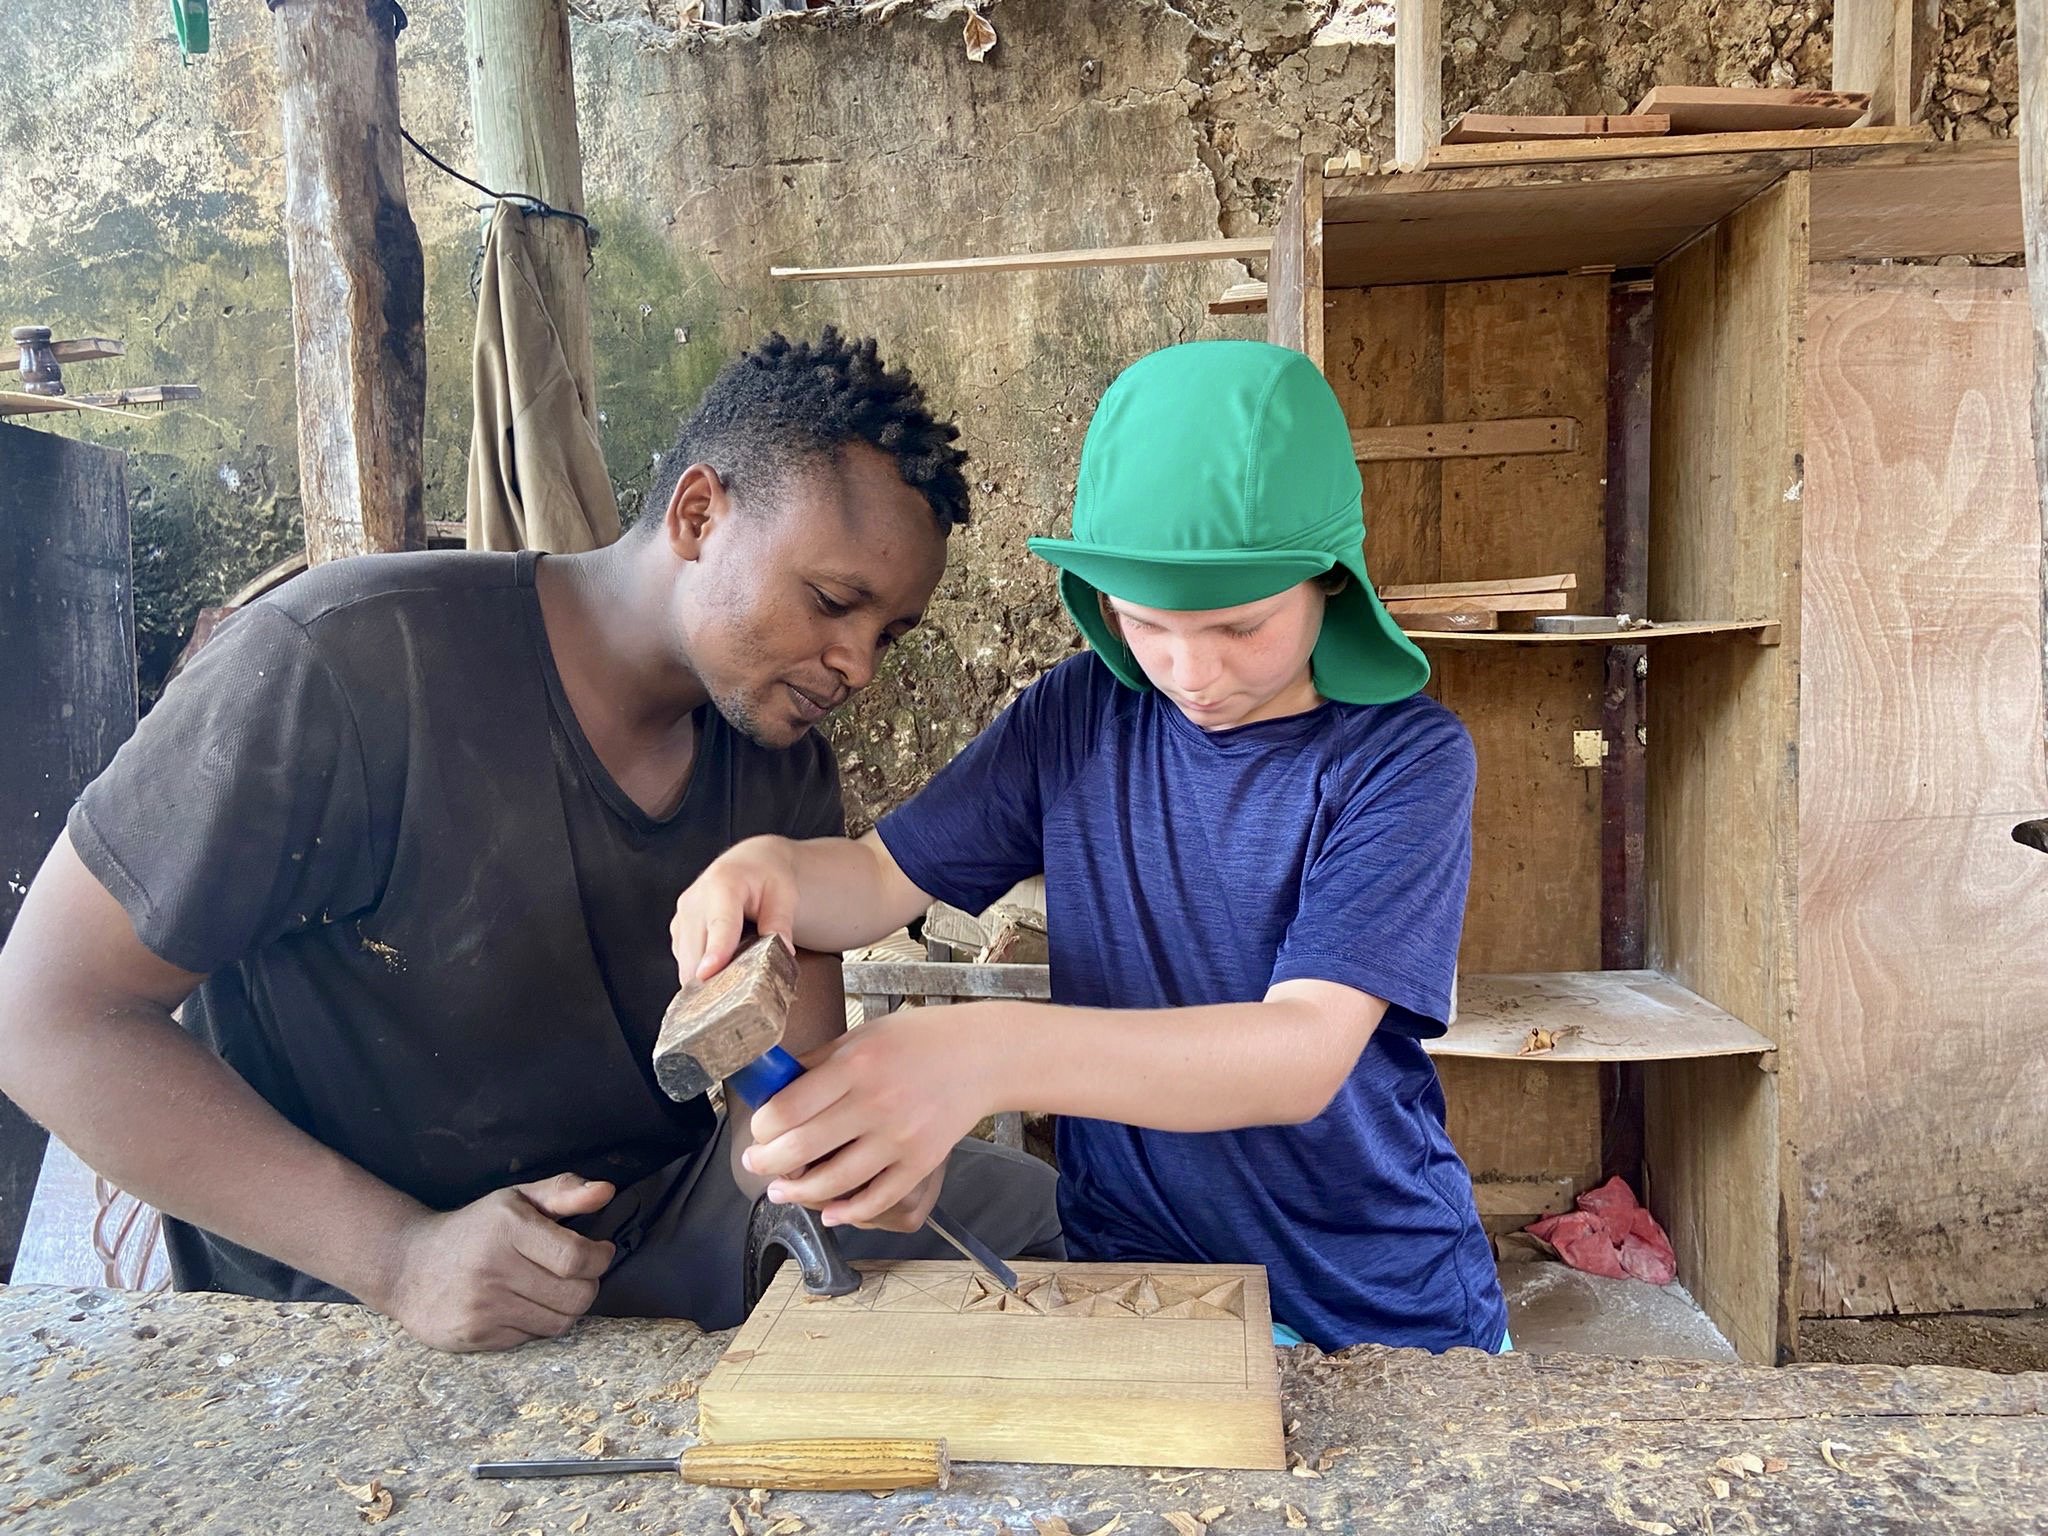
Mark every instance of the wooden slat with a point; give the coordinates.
(1468, 439)
(1040, 261)
(21, 403)
(926, 978)
(78, 349)
(1765, 632)
(1595, 1015)
(1240, 299)
(1294, 276)
(1725, 476)
(1498, 602)
(1418, 80)
(1672, 146)
(1923, 1084)
(1565, 581)
(1749, 109)
(1500, 128)
(1447, 613)
(1092, 1365)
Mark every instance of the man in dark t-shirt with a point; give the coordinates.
(405, 843)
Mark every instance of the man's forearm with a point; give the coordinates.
(1212, 1068)
(150, 1108)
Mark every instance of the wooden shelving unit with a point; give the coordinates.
(1642, 906)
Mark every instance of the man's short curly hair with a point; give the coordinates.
(786, 402)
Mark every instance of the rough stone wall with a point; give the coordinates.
(141, 199)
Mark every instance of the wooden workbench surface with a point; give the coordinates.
(121, 1413)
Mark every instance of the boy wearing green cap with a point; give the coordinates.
(1256, 837)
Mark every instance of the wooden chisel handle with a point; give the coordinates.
(822, 1465)
(853, 1466)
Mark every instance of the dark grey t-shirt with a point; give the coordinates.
(434, 930)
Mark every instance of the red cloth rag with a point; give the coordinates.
(1610, 1234)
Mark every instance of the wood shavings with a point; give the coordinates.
(1617, 1506)
(757, 1500)
(1329, 1457)
(1539, 1042)
(1296, 1520)
(981, 37)
(579, 1522)
(594, 1446)
(1718, 1486)
(1827, 1454)
(374, 1502)
(1298, 1465)
(1183, 1523)
(1051, 1525)
(503, 1517)
(1292, 1426)
(1213, 1513)
(737, 1521)
(1773, 1464)
(788, 1525)
(1560, 1484)
(680, 1392)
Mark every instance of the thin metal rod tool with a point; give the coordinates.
(973, 1248)
(576, 1466)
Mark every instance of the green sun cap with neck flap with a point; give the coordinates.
(1217, 473)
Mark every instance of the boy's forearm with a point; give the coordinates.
(1219, 1067)
(850, 893)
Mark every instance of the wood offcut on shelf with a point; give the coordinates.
(1764, 631)
(1692, 109)
(1501, 128)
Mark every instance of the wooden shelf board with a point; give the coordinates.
(1553, 1310)
(1765, 631)
(1675, 145)
(1510, 221)
(1615, 1016)
(1871, 200)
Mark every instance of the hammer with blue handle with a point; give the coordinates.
(730, 1028)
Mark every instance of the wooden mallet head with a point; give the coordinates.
(713, 1028)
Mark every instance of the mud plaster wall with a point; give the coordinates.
(141, 198)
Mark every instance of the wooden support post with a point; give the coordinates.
(1886, 47)
(358, 286)
(2033, 132)
(522, 92)
(1631, 321)
(1418, 81)
(1294, 276)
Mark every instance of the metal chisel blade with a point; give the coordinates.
(972, 1247)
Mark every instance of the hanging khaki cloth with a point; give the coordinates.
(536, 472)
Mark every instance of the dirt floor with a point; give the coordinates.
(2012, 1341)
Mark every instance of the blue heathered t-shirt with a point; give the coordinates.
(1185, 867)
